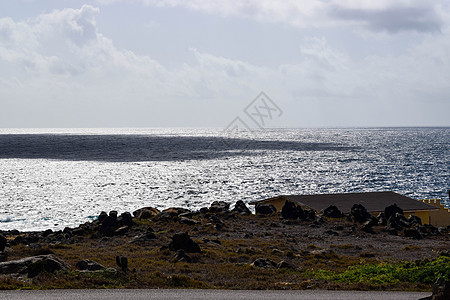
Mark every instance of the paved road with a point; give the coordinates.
(205, 294)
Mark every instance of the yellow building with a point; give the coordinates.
(374, 202)
(439, 217)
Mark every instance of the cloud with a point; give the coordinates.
(381, 15)
(423, 18)
(58, 69)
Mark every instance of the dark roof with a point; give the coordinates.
(372, 201)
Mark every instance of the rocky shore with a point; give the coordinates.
(231, 248)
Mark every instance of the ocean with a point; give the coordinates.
(53, 178)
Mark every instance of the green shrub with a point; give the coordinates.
(423, 271)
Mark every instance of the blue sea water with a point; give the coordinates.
(52, 178)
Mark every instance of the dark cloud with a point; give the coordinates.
(393, 19)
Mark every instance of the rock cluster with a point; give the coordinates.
(32, 266)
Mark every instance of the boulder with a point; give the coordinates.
(289, 211)
(264, 263)
(241, 208)
(360, 214)
(203, 210)
(122, 262)
(309, 214)
(188, 221)
(171, 213)
(414, 220)
(182, 256)
(3, 256)
(3, 242)
(79, 231)
(401, 220)
(145, 212)
(391, 210)
(34, 265)
(382, 219)
(125, 219)
(367, 226)
(183, 241)
(441, 290)
(431, 229)
(413, 233)
(108, 226)
(284, 265)
(219, 207)
(89, 265)
(392, 223)
(332, 212)
(265, 209)
(47, 232)
(102, 216)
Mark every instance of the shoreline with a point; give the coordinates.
(178, 248)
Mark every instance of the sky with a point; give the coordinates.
(203, 63)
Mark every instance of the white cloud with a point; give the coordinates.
(382, 15)
(59, 65)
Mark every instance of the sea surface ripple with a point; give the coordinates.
(53, 178)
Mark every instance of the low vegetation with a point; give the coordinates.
(244, 252)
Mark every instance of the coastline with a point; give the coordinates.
(227, 249)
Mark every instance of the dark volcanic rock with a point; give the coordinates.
(3, 242)
(264, 263)
(219, 206)
(125, 219)
(34, 265)
(183, 241)
(145, 212)
(188, 221)
(47, 232)
(122, 262)
(441, 289)
(113, 214)
(414, 220)
(171, 213)
(89, 265)
(264, 209)
(289, 211)
(413, 233)
(332, 212)
(182, 256)
(26, 239)
(3, 256)
(79, 231)
(360, 214)
(391, 210)
(367, 226)
(108, 226)
(382, 219)
(241, 208)
(284, 265)
(400, 220)
(310, 214)
(102, 216)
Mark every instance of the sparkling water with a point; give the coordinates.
(52, 178)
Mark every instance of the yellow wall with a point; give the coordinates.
(423, 215)
(439, 217)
